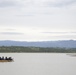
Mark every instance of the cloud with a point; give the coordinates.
(11, 33)
(9, 3)
(35, 3)
(66, 37)
(10, 29)
(44, 15)
(59, 3)
(25, 15)
(59, 32)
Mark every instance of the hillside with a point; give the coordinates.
(64, 43)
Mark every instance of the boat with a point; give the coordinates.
(6, 59)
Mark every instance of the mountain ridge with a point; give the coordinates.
(59, 43)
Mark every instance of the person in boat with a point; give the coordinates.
(10, 58)
(6, 58)
(0, 58)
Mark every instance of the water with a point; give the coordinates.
(38, 64)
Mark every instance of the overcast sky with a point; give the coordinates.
(37, 20)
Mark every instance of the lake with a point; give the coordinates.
(39, 64)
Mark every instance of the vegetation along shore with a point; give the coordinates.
(19, 49)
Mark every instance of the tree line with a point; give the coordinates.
(4, 49)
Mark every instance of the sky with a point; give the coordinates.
(37, 20)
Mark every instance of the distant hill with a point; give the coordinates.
(63, 43)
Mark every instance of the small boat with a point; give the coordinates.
(9, 59)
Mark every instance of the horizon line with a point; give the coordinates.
(39, 41)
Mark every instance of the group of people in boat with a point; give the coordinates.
(5, 58)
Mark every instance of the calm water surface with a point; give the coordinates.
(39, 64)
